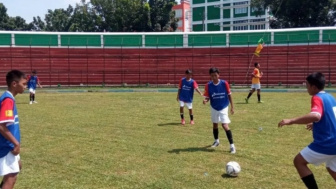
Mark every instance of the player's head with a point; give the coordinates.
(317, 80)
(16, 80)
(256, 65)
(188, 73)
(214, 73)
(34, 72)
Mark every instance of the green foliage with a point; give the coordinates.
(135, 140)
(293, 13)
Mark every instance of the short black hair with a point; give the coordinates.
(256, 64)
(213, 70)
(34, 71)
(188, 71)
(14, 75)
(316, 79)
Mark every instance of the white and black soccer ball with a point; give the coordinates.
(233, 168)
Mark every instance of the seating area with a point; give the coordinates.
(281, 65)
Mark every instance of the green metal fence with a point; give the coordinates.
(164, 40)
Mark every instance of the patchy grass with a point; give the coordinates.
(135, 140)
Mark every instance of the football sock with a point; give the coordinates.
(259, 97)
(33, 97)
(249, 95)
(182, 116)
(191, 117)
(215, 133)
(30, 98)
(310, 181)
(229, 136)
(1, 184)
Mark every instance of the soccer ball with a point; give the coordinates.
(232, 168)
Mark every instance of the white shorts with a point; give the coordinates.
(189, 105)
(255, 86)
(9, 164)
(220, 116)
(31, 90)
(316, 158)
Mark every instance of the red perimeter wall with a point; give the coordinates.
(288, 65)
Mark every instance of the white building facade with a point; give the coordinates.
(226, 15)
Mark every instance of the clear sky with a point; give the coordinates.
(27, 9)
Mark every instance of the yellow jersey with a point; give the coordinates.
(256, 80)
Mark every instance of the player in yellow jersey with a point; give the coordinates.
(256, 75)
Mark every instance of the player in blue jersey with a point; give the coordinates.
(219, 93)
(185, 95)
(10, 163)
(33, 80)
(322, 121)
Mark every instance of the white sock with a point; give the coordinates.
(217, 140)
(232, 145)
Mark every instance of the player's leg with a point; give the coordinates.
(215, 119)
(189, 105)
(258, 92)
(301, 165)
(224, 118)
(215, 134)
(182, 112)
(331, 167)
(9, 180)
(31, 95)
(10, 167)
(332, 173)
(250, 94)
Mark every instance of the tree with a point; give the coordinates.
(160, 13)
(294, 13)
(59, 19)
(3, 17)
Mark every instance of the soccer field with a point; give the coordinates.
(135, 140)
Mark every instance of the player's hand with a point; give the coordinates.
(309, 126)
(177, 98)
(232, 111)
(16, 150)
(284, 122)
(205, 101)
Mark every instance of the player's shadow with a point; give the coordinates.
(193, 149)
(168, 124)
(241, 103)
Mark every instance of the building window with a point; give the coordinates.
(179, 23)
(257, 26)
(178, 13)
(240, 25)
(241, 7)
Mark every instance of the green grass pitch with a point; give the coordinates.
(135, 140)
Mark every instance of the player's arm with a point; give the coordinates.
(206, 94)
(227, 86)
(179, 91)
(38, 83)
(314, 115)
(7, 116)
(197, 89)
(306, 119)
(8, 135)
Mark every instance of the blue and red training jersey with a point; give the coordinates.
(187, 88)
(218, 94)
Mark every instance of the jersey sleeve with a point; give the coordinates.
(227, 86)
(180, 84)
(195, 85)
(206, 90)
(316, 105)
(255, 72)
(6, 111)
